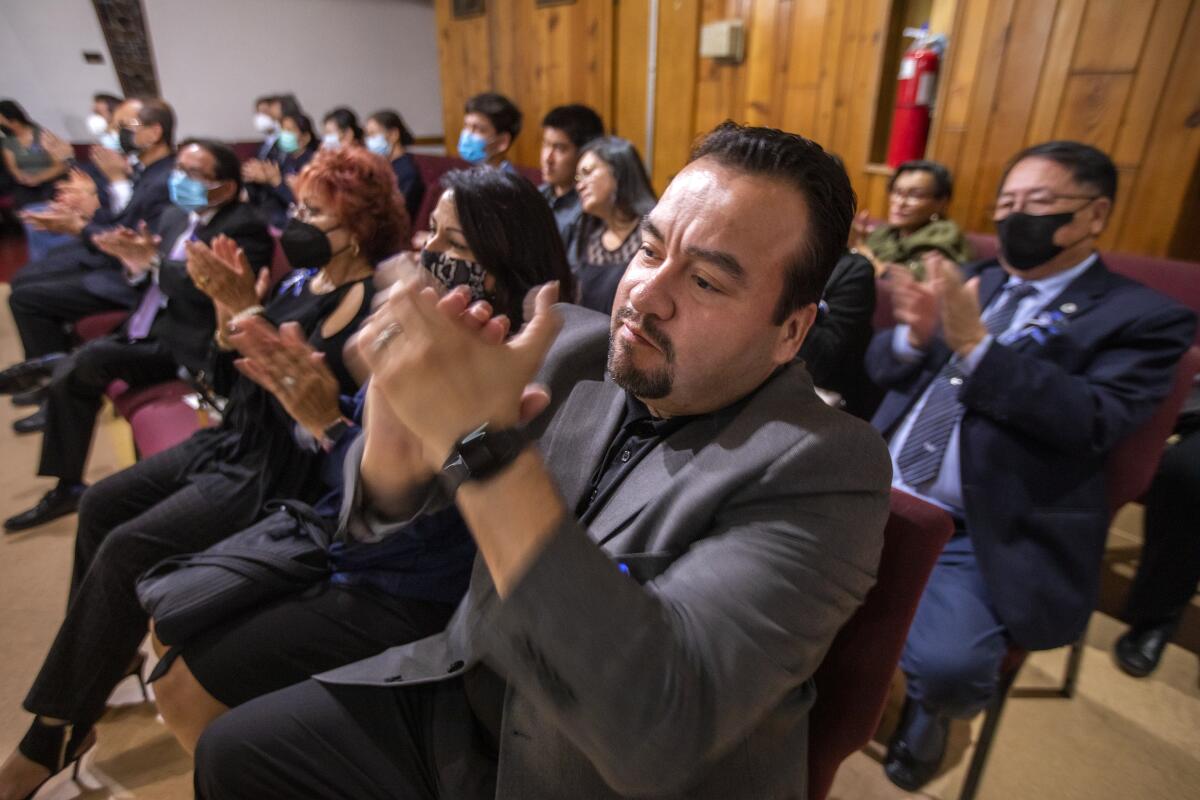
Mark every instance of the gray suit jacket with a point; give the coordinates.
(689, 672)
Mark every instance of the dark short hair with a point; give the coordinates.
(227, 167)
(943, 183)
(264, 100)
(635, 195)
(390, 120)
(1088, 165)
(156, 111)
(511, 230)
(345, 119)
(304, 124)
(579, 122)
(11, 110)
(110, 101)
(817, 176)
(500, 111)
(288, 104)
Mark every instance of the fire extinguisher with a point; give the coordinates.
(915, 90)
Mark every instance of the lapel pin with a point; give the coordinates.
(1068, 308)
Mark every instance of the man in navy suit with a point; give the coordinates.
(1007, 388)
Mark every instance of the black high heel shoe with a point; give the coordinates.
(55, 747)
(135, 671)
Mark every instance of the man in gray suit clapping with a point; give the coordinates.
(666, 550)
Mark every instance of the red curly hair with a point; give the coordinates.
(362, 192)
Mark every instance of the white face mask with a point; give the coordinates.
(264, 123)
(331, 141)
(97, 125)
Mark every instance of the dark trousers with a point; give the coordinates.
(1169, 569)
(47, 296)
(76, 391)
(127, 523)
(313, 740)
(954, 648)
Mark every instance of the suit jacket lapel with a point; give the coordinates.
(665, 464)
(1076, 299)
(574, 450)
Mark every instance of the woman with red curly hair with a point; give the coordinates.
(349, 216)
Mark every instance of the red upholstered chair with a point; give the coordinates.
(1128, 473)
(97, 325)
(853, 680)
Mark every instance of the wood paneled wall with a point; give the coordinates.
(1121, 74)
(538, 57)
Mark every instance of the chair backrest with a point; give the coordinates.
(432, 168)
(853, 680)
(1132, 463)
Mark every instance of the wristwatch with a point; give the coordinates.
(334, 433)
(481, 454)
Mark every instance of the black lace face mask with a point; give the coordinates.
(454, 272)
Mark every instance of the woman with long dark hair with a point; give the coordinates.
(494, 236)
(614, 193)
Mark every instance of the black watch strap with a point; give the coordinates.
(480, 454)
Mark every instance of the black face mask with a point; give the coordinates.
(454, 272)
(1027, 240)
(126, 138)
(306, 246)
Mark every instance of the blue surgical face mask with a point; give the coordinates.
(188, 193)
(288, 141)
(379, 145)
(472, 147)
(109, 140)
(330, 141)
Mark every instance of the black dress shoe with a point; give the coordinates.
(58, 502)
(31, 397)
(1139, 651)
(28, 374)
(906, 770)
(34, 423)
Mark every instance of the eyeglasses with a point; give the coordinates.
(916, 195)
(1038, 201)
(208, 183)
(303, 213)
(583, 174)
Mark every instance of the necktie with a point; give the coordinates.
(921, 457)
(142, 318)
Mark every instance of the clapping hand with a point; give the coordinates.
(282, 362)
(224, 274)
(252, 171)
(114, 165)
(442, 379)
(915, 304)
(135, 250)
(56, 218)
(962, 326)
(58, 149)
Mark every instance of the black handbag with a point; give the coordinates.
(284, 552)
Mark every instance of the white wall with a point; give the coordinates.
(41, 62)
(215, 56)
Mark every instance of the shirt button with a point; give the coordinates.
(625, 456)
(956, 381)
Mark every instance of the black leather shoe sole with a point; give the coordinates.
(28, 374)
(30, 397)
(1138, 653)
(50, 508)
(34, 423)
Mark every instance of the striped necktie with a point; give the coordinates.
(921, 457)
